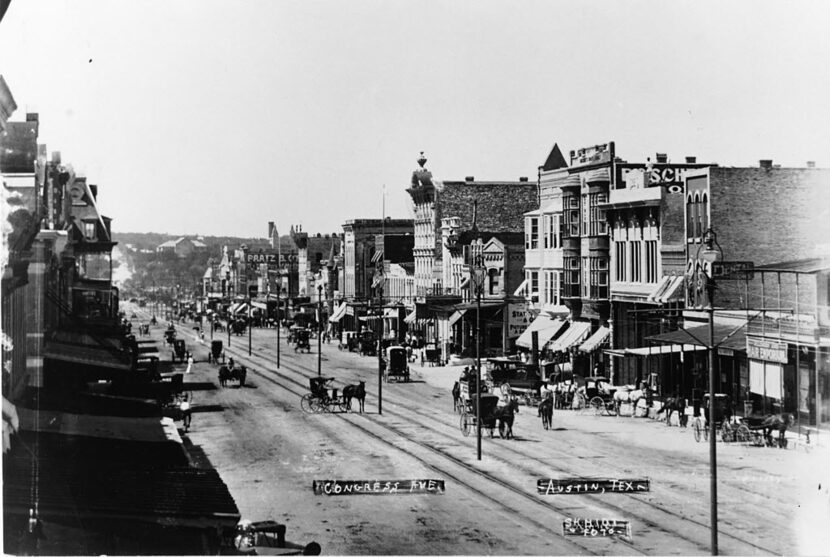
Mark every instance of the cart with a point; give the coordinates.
(470, 418)
(322, 398)
(397, 364)
(600, 395)
(302, 340)
(216, 352)
(170, 335)
(179, 351)
(368, 344)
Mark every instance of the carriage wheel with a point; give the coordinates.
(307, 403)
(502, 429)
(611, 408)
(598, 405)
(697, 429)
(706, 432)
(580, 402)
(465, 424)
(491, 430)
(742, 435)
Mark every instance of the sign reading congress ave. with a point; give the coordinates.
(378, 487)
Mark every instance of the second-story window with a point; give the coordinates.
(619, 261)
(634, 261)
(651, 261)
(534, 233)
(493, 281)
(89, 230)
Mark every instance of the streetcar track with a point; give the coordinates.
(299, 369)
(594, 499)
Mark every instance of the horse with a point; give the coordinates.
(504, 416)
(672, 404)
(627, 395)
(225, 375)
(355, 391)
(546, 412)
(780, 423)
(564, 394)
(456, 396)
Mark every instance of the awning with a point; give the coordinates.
(663, 349)
(726, 336)
(667, 290)
(369, 317)
(259, 305)
(390, 313)
(98, 356)
(234, 306)
(242, 308)
(378, 256)
(338, 313)
(547, 328)
(521, 291)
(409, 319)
(465, 282)
(574, 335)
(595, 340)
(456, 316)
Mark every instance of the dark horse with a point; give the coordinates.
(546, 412)
(456, 397)
(780, 423)
(504, 415)
(355, 391)
(672, 404)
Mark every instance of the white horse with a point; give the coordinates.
(628, 394)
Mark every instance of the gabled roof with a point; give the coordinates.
(555, 159)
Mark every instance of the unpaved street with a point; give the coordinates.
(269, 452)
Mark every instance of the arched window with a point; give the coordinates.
(704, 209)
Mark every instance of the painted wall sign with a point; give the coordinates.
(518, 319)
(657, 174)
(767, 350)
(596, 528)
(269, 258)
(378, 487)
(576, 486)
(732, 270)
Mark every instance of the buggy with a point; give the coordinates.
(367, 344)
(723, 419)
(396, 364)
(170, 335)
(179, 350)
(321, 398)
(596, 388)
(470, 418)
(216, 351)
(302, 340)
(268, 538)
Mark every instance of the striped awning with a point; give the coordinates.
(338, 313)
(595, 340)
(390, 313)
(521, 291)
(259, 305)
(547, 328)
(378, 256)
(668, 289)
(574, 335)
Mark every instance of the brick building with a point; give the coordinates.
(500, 209)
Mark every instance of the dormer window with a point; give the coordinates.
(89, 230)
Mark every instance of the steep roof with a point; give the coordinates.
(555, 159)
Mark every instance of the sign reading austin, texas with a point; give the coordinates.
(576, 486)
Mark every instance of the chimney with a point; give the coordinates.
(765, 163)
(94, 190)
(56, 157)
(811, 164)
(691, 160)
(523, 178)
(662, 158)
(470, 179)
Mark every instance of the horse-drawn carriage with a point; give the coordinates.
(348, 341)
(599, 394)
(302, 340)
(396, 364)
(490, 416)
(232, 372)
(516, 377)
(268, 538)
(179, 350)
(431, 355)
(238, 327)
(322, 398)
(723, 419)
(367, 344)
(170, 335)
(216, 351)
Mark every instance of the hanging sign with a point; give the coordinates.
(518, 319)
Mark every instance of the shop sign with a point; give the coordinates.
(766, 350)
(593, 155)
(518, 319)
(638, 175)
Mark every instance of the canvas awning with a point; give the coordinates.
(521, 291)
(456, 316)
(667, 290)
(338, 313)
(390, 313)
(259, 305)
(465, 282)
(409, 319)
(547, 328)
(595, 340)
(574, 335)
(662, 349)
(241, 308)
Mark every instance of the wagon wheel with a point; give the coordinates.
(598, 405)
(611, 408)
(503, 429)
(727, 434)
(307, 403)
(697, 429)
(706, 432)
(580, 402)
(491, 430)
(465, 424)
(743, 435)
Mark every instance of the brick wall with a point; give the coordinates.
(501, 205)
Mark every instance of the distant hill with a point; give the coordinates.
(151, 240)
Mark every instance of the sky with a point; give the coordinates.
(213, 117)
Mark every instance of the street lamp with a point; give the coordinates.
(478, 273)
(319, 329)
(708, 257)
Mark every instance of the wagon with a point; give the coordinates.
(397, 364)
(367, 344)
(268, 538)
(322, 398)
(599, 394)
(723, 420)
(170, 335)
(302, 340)
(470, 418)
(516, 377)
(216, 351)
(179, 350)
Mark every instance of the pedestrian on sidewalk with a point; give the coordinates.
(189, 362)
